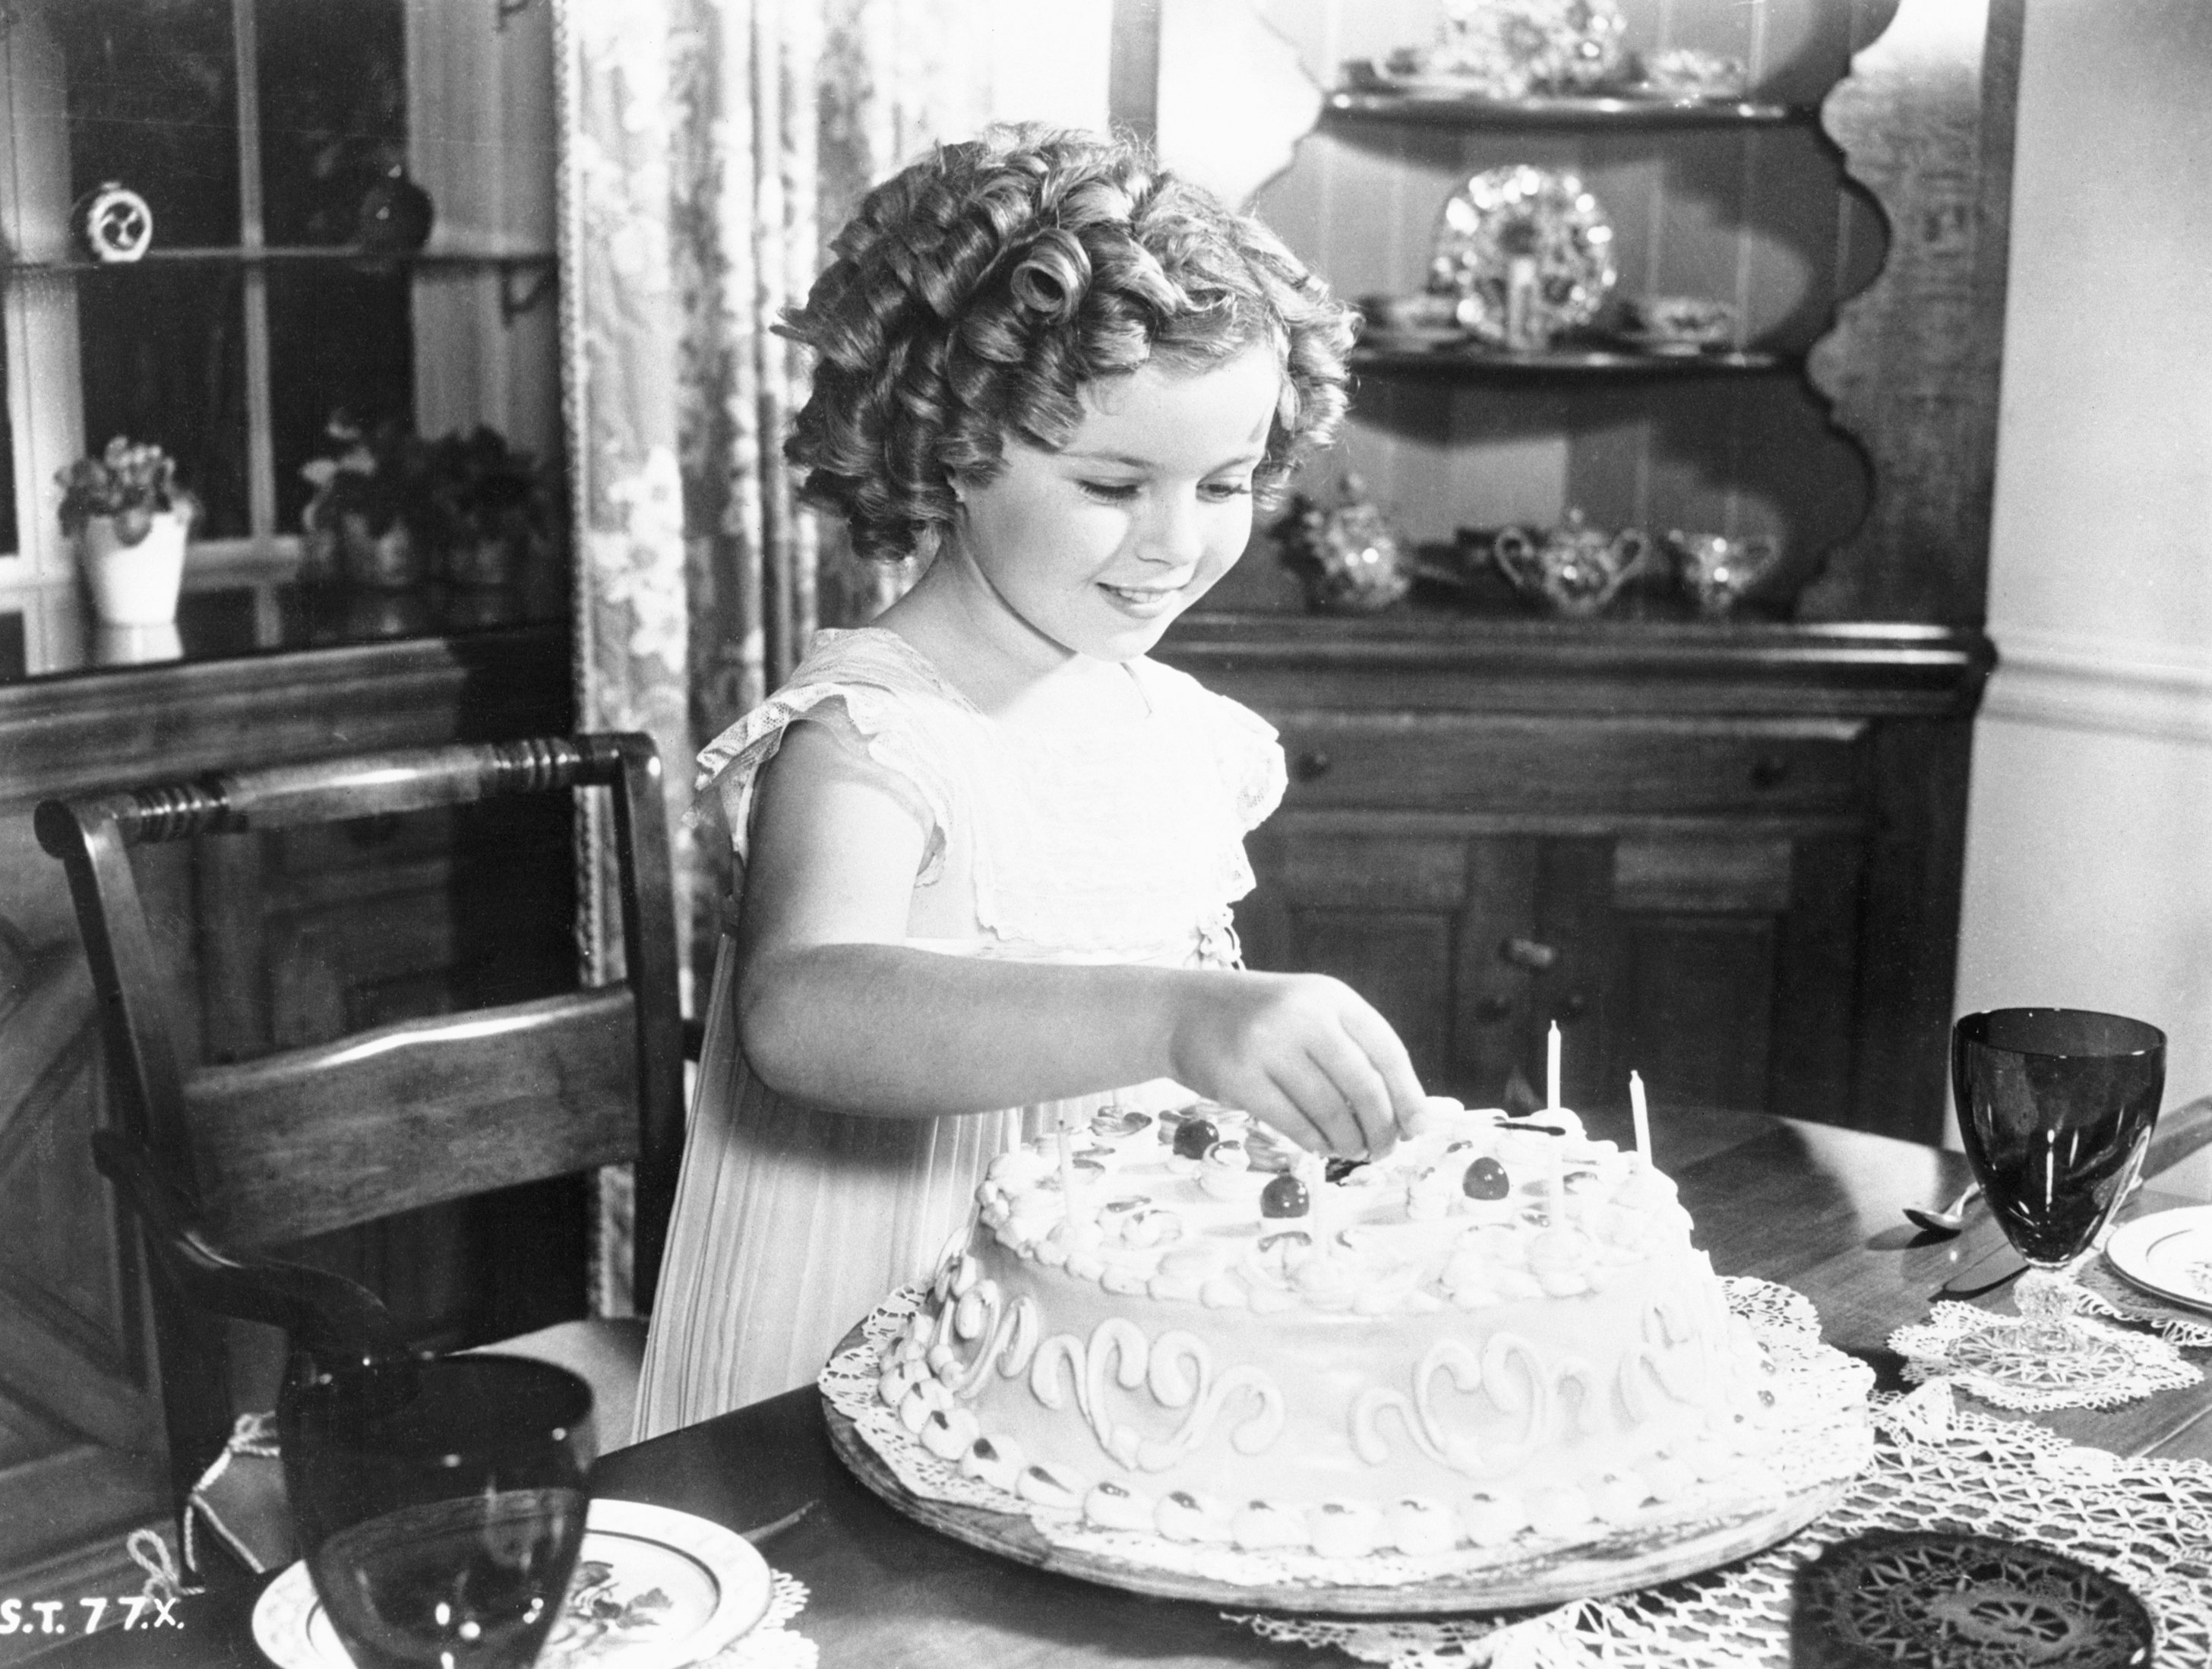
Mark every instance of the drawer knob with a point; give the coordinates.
(1528, 954)
(1310, 763)
(1769, 771)
(1574, 1005)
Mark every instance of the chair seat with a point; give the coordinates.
(607, 1353)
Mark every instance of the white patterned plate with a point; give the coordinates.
(1506, 213)
(2168, 1254)
(654, 1588)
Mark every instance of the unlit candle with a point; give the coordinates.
(1075, 1221)
(1637, 1106)
(1552, 1066)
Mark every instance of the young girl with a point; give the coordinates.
(988, 848)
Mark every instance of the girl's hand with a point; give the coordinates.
(1302, 1052)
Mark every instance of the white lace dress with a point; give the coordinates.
(1123, 844)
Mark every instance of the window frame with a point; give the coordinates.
(475, 290)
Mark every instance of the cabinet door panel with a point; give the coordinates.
(1400, 962)
(78, 1443)
(1496, 1024)
(1377, 912)
(1698, 996)
(1720, 965)
(1574, 917)
(1815, 978)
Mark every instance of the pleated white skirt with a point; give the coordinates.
(791, 1224)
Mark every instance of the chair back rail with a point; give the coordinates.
(360, 786)
(339, 1121)
(322, 1138)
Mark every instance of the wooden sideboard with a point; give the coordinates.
(1726, 857)
(274, 943)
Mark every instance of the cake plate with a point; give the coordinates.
(1821, 1422)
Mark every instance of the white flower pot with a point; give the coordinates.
(134, 584)
(127, 646)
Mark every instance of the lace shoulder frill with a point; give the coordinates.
(1245, 745)
(873, 699)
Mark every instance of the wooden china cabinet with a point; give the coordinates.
(1730, 863)
(1723, 853)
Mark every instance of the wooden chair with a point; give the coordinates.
(222, 1162)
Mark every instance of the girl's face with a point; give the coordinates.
(1099, 546)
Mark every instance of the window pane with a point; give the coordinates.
(165, 360)
(333, 113)
(153, 104)
(338, 336)
(333, 126)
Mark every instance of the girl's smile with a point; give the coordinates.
(1095, 549)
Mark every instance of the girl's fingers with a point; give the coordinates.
(1388, 1057)
(1302, 1081)
(1272, 1106)
(1364, 1094)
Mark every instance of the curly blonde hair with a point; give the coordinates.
(977, 291)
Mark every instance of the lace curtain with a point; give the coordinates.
(709, 147)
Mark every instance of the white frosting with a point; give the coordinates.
(1499, 1328)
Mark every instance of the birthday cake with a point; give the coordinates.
(1183, 1326)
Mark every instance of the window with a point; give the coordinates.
(256, 131)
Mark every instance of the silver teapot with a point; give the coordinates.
(1573, 569)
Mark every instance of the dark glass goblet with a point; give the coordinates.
(439, 1502)
(2056, 1107)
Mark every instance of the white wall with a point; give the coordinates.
(2090, 834)
(1048, 63)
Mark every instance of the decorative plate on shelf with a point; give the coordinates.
(1528, 252)
(654, 1588)
(2168, 1254)
(1515, 47)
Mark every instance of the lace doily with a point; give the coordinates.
(2104, 1291)
(2147, 1523)
(1819, 1428)
(1999, 1359)
(772, 1642)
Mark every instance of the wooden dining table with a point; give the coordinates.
(1810, 1206)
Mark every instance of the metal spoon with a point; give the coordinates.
(1948, 1221)
(761, 1532)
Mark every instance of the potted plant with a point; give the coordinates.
(493, 507)
(131, 521)
(370, 517)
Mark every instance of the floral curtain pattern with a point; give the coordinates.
(709, 148)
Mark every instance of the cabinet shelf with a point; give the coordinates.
(1489, 365)
(288, 255)
(1427, 107)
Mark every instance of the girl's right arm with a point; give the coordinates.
(835, 1010)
